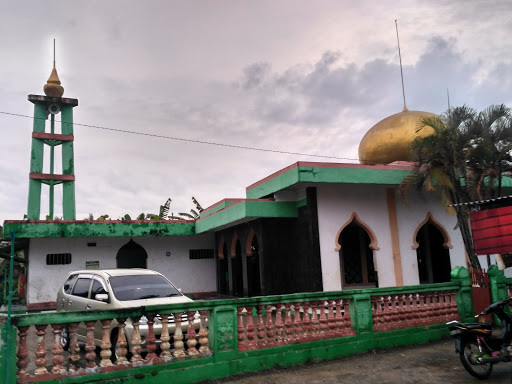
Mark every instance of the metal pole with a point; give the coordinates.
(11, 269)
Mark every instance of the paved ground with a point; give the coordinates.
(429, 363)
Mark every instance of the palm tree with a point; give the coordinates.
(464, 159)
(489, 157)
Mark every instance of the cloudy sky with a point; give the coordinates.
(308, 77)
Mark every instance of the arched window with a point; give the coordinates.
(356, 256)
(132, 255)
(432, 253)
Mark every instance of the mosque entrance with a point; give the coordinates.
(132, 255)
(223, 271)
(237, 270)
(433, 257)
(253, 269)
(356, 257)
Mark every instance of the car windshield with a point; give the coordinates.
(138, 287)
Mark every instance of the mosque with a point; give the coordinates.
(311, 226)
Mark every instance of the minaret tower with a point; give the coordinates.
(49, 106)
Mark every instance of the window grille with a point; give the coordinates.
(58, 258)
(201, 254)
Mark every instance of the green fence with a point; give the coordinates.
(235, 336)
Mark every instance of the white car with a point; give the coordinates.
(98, 290)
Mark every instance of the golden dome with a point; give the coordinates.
(52, 87)
(389, 139)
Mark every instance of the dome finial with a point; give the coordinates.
(52, 88)
(401, 71)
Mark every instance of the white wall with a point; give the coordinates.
(409, 219)
(337, 203)
(189, 275)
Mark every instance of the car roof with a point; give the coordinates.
(115, 272)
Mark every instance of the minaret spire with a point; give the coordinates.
(401, 71)
(52, 87)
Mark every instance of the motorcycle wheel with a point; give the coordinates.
(469, 352)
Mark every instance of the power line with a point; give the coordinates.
(187, 140)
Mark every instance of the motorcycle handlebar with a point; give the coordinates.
(495, 306)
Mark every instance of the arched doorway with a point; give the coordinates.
(131, 255)
(223, 274)
(432, 254)
(253, 266)
(356, 256)
(236, 268)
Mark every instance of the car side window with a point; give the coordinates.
(68, 285)
(97, 288)
(82, 287)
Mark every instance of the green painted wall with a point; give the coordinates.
(98, 229)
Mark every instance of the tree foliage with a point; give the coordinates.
(466, 158)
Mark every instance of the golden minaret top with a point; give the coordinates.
(52, 88)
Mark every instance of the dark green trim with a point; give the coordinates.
(247, 210)
(217, 207)
(351, 174)
(302, 203)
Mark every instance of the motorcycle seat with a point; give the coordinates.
(487, 326)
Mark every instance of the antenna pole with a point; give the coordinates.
(401, 71)
(53, 53)
(448, 95)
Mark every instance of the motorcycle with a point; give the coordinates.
(480, 345)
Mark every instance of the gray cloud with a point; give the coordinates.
(311, 82)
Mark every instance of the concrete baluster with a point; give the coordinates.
(121, 345)
(135, 342)
(151, 341)
(279, 324)
(395, 318)
(57, 351)
(90, 347)
(191, 335)
(165, 346)
(269, 325)
(40, 351)
(179, 351)
(422, 306)
(306, 321)
(22, 352)
(204, 348)
(106, 345)
(297, 322)
(260, 327)
(73, 349)
(324, 328)
(338, 317)
(331, 320)
(315, 324)
(288, 323)
(402, 311)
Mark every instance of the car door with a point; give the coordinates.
(79, 299)
(98, 287)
